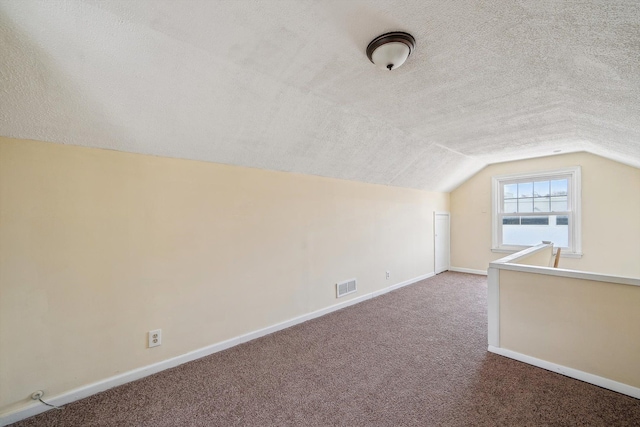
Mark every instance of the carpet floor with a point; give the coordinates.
(413, 357)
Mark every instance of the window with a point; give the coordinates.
(535, 207)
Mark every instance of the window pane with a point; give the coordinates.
(510, 191)
(541, 189)
(511, 206)
(525, 205)
(525, 189)
(533, 230)
(534, 220)
(559, 204)
(510, 220)
(541, 204)
(559, 187)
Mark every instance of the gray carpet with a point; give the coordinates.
(414, 357)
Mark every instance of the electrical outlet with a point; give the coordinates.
(388, 274)
(155, 338)
(37, 395)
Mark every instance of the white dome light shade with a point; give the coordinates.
(391, 50)
(391, 55)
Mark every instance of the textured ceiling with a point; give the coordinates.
(286, 84)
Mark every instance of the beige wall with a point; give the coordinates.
(581, 324)
(610, 212)
(98, 247)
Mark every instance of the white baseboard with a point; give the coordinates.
(468, 270)
(36, 408)
(570, 372)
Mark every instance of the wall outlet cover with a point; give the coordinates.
(155, 338)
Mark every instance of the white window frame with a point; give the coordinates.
(574, 200)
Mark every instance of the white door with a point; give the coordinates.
(441, 246)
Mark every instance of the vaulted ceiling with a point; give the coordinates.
(286, 85)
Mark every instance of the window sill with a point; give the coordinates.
(513, 251)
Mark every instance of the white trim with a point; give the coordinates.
(572, 274)
(513, 251)
(577, 212)
(493, 306)
(521, 254)
(468, 270)
(35, 408)
(543, 173)
(569, 372)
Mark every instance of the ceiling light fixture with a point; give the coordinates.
(390, 50)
